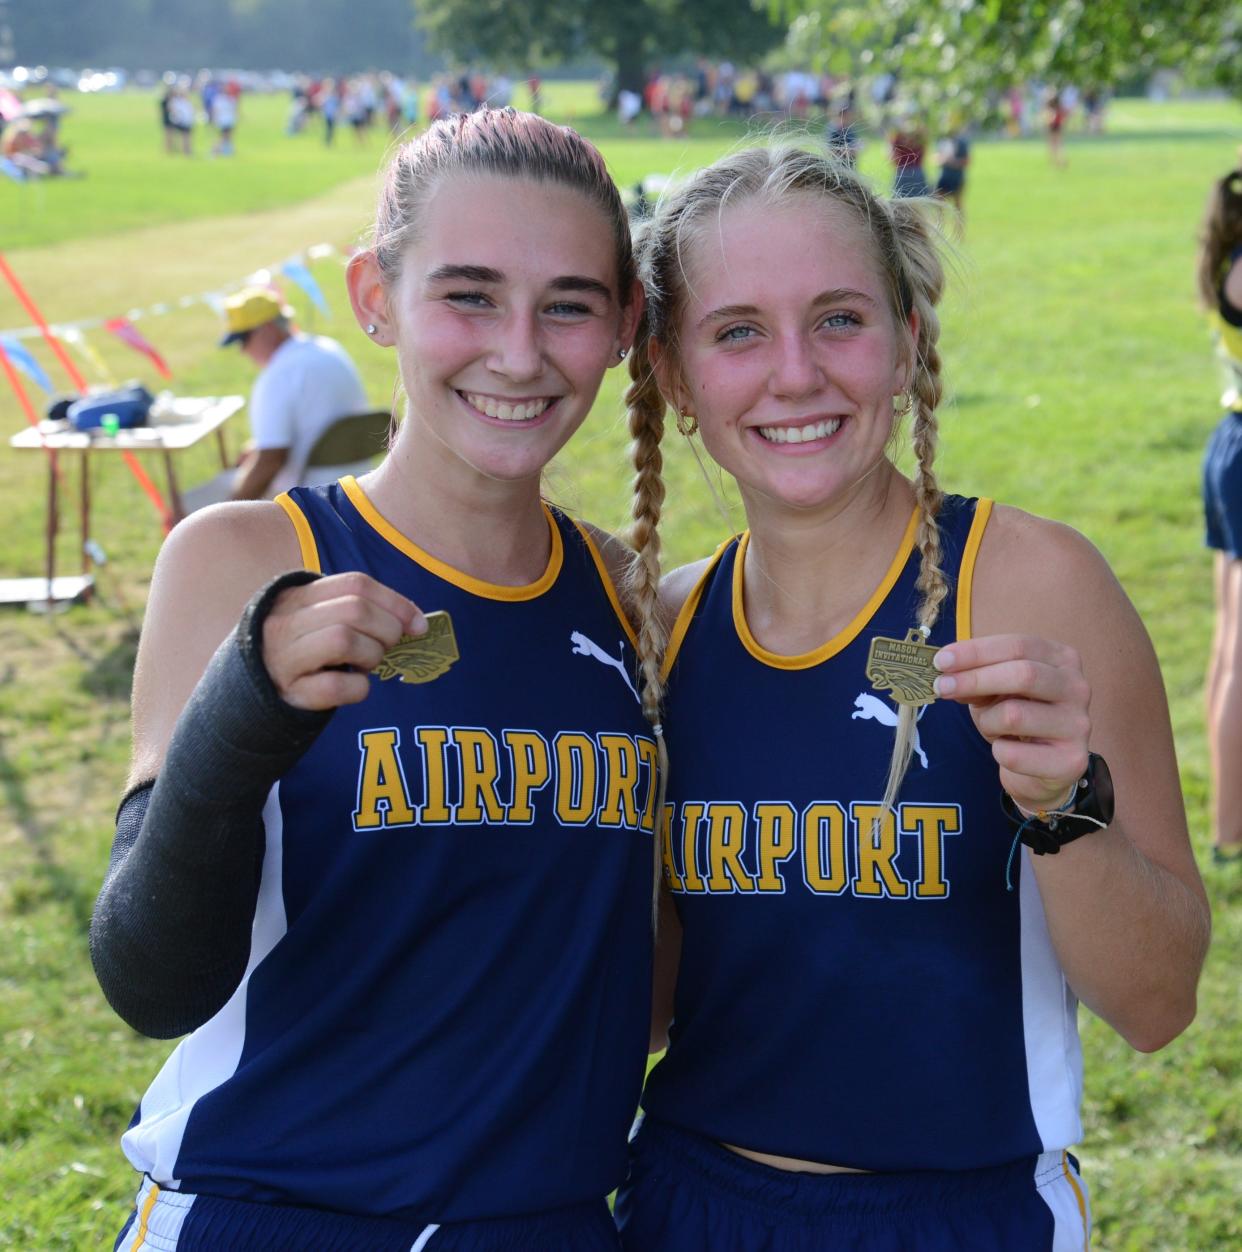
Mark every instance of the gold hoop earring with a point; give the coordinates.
(687, 423)
(903, 402)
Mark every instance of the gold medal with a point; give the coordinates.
(904, 667)
(422, 658)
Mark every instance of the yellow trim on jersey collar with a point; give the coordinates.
(606, 578)
(686, 615)
(966, 576)
(476, 586)
(306, 536)
(840, 640)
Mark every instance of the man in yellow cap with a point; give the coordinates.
(305, 383)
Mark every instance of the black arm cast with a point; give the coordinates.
(170, 936)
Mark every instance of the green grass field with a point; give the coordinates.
(1080, 386)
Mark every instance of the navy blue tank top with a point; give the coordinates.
(446, 1010)
(876, 1001)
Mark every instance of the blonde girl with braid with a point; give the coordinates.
(892, 861)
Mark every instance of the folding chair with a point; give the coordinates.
(351, 445)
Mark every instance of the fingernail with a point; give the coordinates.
(418, 624)
(944, 659)
(945, 685)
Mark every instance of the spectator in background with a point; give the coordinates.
(1220, 291)
(353, 107)
(300, 106)
(305, 383)
(726, 78)
(329, 101)
(907, 146)
(1093, 110)
(842, 139)
(1055, 114)
(208, 89)
(224, 119)
(629, 106)
(368, 100)
(172, 140)
(21, 147)
(409, 104)
(181, 113)
(953, 153)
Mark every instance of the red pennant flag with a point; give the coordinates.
(127, 333)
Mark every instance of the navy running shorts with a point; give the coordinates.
(685, 1193)
(1222, 486)
(171, 1221)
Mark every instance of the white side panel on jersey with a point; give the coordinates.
(209, 1056)
(1050, 1026)
(1058, 1185)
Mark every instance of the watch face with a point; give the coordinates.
(1099, 801)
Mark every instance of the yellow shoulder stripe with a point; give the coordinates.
(306, 537)
(606, 578)
(966, 576)
(688, 610)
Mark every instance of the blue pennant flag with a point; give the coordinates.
(20, 357)
(296, 272)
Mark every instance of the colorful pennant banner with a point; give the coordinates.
(296, 272)
(25, 362)
(213, 299)
(124, 330)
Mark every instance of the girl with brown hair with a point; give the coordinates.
(1220, 291)
(386, 854)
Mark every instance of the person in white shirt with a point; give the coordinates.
(306, 383)
(224, 119)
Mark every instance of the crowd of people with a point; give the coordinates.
(363, 101)
(419, 760)
(219, 108)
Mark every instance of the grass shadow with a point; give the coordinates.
(60, 884)
(110, 676)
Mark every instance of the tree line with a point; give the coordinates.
(318, 36)
(955, 52)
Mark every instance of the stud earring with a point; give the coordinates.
(622, 353)
(371, 328)
(687, 423)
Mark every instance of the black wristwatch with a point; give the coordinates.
(1089, 808)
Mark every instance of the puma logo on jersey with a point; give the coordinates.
(873, 708)
(585, 647)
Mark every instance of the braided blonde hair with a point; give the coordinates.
(925, 283)
(906, 247)
(645, 409)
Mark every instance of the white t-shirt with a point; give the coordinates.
(224, 111)
(307, 384)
